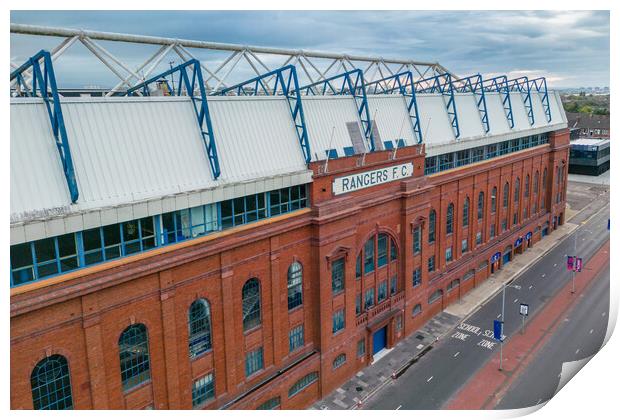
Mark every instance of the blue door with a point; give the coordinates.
(506, 258)
(379, 340)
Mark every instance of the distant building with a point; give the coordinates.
(588, 125)
(589, 156)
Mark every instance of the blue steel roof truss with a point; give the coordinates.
(349, 83)
(540, 84)
(44, 86)
(190, 83)
(521, 84)
(442, 83)
(284, 82)
(403, 84)
(473, 84)
(499, 84)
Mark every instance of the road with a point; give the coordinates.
(441, 373)
(581, 335)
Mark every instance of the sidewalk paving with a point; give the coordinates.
(373, 378)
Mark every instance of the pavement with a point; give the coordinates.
(361, 389)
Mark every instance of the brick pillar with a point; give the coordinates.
(94, 352)
(279, 350)
(170, 340)
(230, 351)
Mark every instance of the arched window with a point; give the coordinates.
(393, 251)
(536, 183)
(450, 219)
(294, 283)
(199, 327)
(339, 360)
(506, 189)
(431, 226)
(527, 186)
(50, 383)
(250, 297)
(133, 347)
(436, 295)
(517, 189)
(494, 200)
(466, 212)
(416, 310)
(544, 183)
(480, 205)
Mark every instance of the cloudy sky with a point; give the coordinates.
(570, 48)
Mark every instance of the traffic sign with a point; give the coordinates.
(518, 242)
(570, 262)
(528, 235)
(524, 309)
(578, 264)
(498, 330)
(496, 257)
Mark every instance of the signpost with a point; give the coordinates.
(498, 334)
(524, 310)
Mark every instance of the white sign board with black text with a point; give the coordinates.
(355, 182)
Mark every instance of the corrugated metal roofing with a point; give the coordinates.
(391, 118)
(325, 114)
(434, 120)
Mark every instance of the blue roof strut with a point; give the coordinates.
(499, 84)
(186, 70)
(44, 85)
(447, 91)
(285, 82)
(474, 84)
(521, 84)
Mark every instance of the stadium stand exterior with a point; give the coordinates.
(163, 286)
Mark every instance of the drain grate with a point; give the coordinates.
(420, 337)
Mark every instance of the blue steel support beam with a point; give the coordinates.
(499, 84)
(540, 84)
(349, 83)
(44, 85)
(190, 81)
(284, 81)
(522, 85)
(474, 85)
(403, 84)
(442, 83)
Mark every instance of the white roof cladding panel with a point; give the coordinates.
(255, 137)
(498, 122)
(322, 114)
(470, 124)
(37, 180)
(129, 150)
(519, 112)
(392, 118)
(436, 127)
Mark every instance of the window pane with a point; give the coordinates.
(369, 256)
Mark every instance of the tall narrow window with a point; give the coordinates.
(381, 249)
(506, 190)
(253, 361)
(358, 266)
(431, 226)
(250, 297)
(466, 212)
(544, 183)
(494, 200)
(393, 251)
(50, 383)
(203, 390)
(133, 346)
(416, 240)
(369, 256)
(536, 183)
(338, 276)
(199, 328)
(450, 219)
(526, 191)
(480, 205)
(517, 190)
(294, 284)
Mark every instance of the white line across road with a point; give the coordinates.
(398, 408)
(543, 275)
(457, 353)
(429, 379)
(555, 265)
(531, 287)
(516, 300)
(591, 331)
(577, 351)
(499, 316)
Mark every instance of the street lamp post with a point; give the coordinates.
(575, 254)
(501, 341)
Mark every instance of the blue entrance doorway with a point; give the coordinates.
(506, 258)
(379, 340)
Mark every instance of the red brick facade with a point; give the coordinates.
(80, 315)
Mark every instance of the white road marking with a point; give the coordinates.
(499, 316)
(457, 353)
(543, 275)
(604, 313)
(531, 287)
(539, 400)
(591, 331)
(429, 379)
(516, 300)
(398, 408)
(577, 352)
(555, 265)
